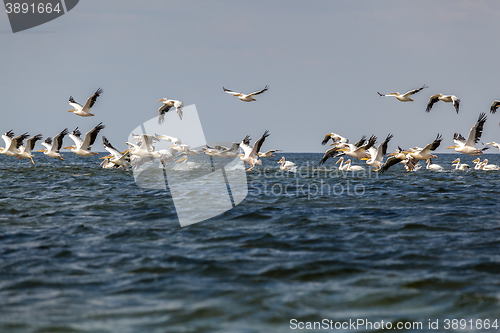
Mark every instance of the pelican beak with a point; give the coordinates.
(160, 100)
(476, 160)
(365, 159)
(71, 110)
(343, 149)
(451, 147)
(181, 159)
(391, 154)
(125, 151)
(455, 161)
(41, 151)
(68, 147)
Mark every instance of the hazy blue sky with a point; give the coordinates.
(323, 60)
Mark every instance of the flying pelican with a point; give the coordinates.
(82, 147)
(335, 138)
(494, 144)
(377, 154)
(167, 105)
(84, 111)
(359, 152)
(459, 166)
(425, 153)
(445, 98)
(336, 149)
(227, 152)
(251, 153)
(168, 138)
(468, 146)
(52, 149)
(399, 156)
(404, 97)
(342, 166)
(353, 167)
(494, 106)
(117, 158)
(485, 166)
(246, 98)
(431, 166)
(12, 143)
(287, 165)
(268, 153)
(25, 151)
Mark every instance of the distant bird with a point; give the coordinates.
(432, 166)
(406, 96)
(459, 166)
(361, 151)
(167, 105)
(52, 148)
(469, 146)
(251, 153)
(335, 139)
(423, 154)
(287, 165)
(118, 159)
(377, 154)
(494, 144)
(445, 98)
(353, 167)
(12, 143)
(168, 138)
(244, 97)
(25, 151)
(494, 106)
(82, 147)
(84, 111)
(269, 153)
(338, 149)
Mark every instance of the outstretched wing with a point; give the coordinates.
(161, 113)
(91, 101)
(414, 91)
(91, 135)
(58, 140)
(259, 142)
(74, 104)
(259, 92)
(432, 101)
(329, 153)
(234, 93)
(456, 102)
(434, 144)
(494, 106)
(476, 131)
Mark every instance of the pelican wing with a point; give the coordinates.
(161, 113)
(179, 107)
(476, 131)
(432, 100)
(76, 137)
(110, 149)
(433, 145)
(91, 135)
(30, 143)
(459, 139)
(74, 104)
(393, 160)
(414, 91)
(259, 92)
(234, 93)
(91, 100)
(245, 145)
(494, 106)
(327, 138)
(456, 102)
(58, 140)
(259, 142)
(382, 149)
(329, 153)
(7, 137)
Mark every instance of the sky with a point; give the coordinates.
(324, 62)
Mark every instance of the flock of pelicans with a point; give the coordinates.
(144, 150)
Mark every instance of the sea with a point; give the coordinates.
(85, 249)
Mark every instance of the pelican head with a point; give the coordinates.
(282, 160)
(476, 160)
(339, 160)
(456, 161)
(161, 100)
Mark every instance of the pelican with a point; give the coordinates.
(423, 154)
(244, 97)
(445, 98)
(185, 165)
(359, 152)
(377, 154)
(25, 151)
(404, 97)
(12, 144)
(353, 167)
(468, 146)
(337, 149)
(52, 148)
(84, 111)
(287, 165)
(400, 156)
(335, 139)
(167, 105)
(494, 106)
(168, 138)
(269, 153)
(227, 152)
(459, 166)
(431, 166)
(485, 166)
(494, 144)
(82, 147)
(342, 166)
(118, 159)
(477, 164)
(251, 153)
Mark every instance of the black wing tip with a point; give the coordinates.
(64, 132)
(98, 91)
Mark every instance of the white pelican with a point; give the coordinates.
(287, 165)
(494, 106)
(353, 167)
(468, 146)
(459, 166)
(244, 97)
(167, 105)
(185, 165)
(227, 152)
(12, 144)
(431, 166)
(269, 153)
(399, 156)
(494, 144)
(477, 164)
(361, 151)
(335, 139)
(404, 97)
(342, 166)
(425, 153)
(337, 149)
(82, 147)
(485, 166)
(25, 151)
(445, 98)
(84, 111)
(118, 159)
(52, 149)
(251, 153)
(168, 138)
(377, 154)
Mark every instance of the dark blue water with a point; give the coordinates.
(83, 249)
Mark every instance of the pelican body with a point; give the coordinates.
(246, 97)
(84, 111)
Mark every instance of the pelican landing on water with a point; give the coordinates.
(251, 153)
